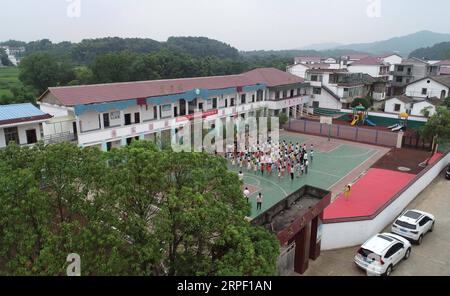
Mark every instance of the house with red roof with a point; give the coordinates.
(112, 115)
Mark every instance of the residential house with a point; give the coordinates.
(21, 124)
(399, 104)
(428, 87)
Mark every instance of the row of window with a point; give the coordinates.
(12, 135)
(289, 93)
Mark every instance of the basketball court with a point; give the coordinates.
(336, 163)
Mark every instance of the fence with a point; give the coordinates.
(357, 134)
(285, 263)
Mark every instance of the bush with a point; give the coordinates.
(363, 101)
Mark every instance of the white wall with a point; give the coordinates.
(418, 107)
(348, 234)
(22, 133)
(434, 89)
(390, 106)
(298, 70)
(373, 71)
(326, 100)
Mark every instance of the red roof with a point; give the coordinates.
(445, 71)
(100, 93)
(444, 63)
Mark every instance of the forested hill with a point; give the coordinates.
(440, 51)
(87, 50)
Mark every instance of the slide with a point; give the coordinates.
(393, 126)
(370, 122)
(355, 121)
(398, 128)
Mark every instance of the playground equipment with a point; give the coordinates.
(402, 124)
(360, 116)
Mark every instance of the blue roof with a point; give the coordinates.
(16, 111)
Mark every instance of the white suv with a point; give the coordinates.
(381, 253)
(413, 225)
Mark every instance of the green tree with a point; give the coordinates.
(437, 127)
(363, 101)
(42, 71)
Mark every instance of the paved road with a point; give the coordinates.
(432, 258)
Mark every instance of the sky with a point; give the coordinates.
(244, 24)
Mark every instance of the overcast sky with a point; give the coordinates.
(245, 24)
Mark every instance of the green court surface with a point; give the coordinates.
(326, 170)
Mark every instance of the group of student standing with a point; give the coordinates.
(284, 158)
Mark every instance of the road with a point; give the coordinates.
(432, 258)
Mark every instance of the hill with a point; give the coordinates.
(404, 45)
(440, 51)
(84, 52)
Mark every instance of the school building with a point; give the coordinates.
(111, 115)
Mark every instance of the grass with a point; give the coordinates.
(9, 78)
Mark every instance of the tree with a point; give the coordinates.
(131, 211)
(363, 101)
(438, 126)
(42, 71)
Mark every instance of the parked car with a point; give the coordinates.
(413, 225)
(447, 173)
(381, 253)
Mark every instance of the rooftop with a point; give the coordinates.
(100, 93)
(370, 61)
(17, 113)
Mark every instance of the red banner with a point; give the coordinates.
(200, 114)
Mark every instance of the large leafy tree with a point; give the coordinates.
(135, 211)
(41, 70)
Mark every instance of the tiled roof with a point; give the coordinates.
(445, 71)
(16, 113)
(100, 93)
(443, 63)
(403, 98)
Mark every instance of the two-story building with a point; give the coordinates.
(410, 70)
(337, 88)
(373, 66)
(21, 124)
(111, 115)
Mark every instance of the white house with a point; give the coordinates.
(428, 87)
(398, 104)
(429, 105)
(301, 69)
(112, 115)
(21, 123)
(374, 66)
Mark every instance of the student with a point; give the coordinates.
(262, 168)
(291, 171)
(312, 153)
(259, 201)
(247, 194)
(306, 166)
(298, 169)
(302, 168)
(347, 191)
(241, 176)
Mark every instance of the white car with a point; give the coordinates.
(380, 254)
(413, 225)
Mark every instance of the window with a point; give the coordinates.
(395, 248)
(405, 224)
(200, 106)
(243, 99)
(31, 136)
(399, 79)
(292, 93)
(316, 104)
(277, 95)
(232, 102)
(317, 90)
(155, 112)
(127, 119)
(314, 78)
(11, 135)
(284, 94)
(400, 68)
(424, 221)
(424, 91)
(397, 107)
(106, 122)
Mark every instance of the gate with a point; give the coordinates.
(286, 261)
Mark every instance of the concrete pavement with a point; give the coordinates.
(432, 258)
